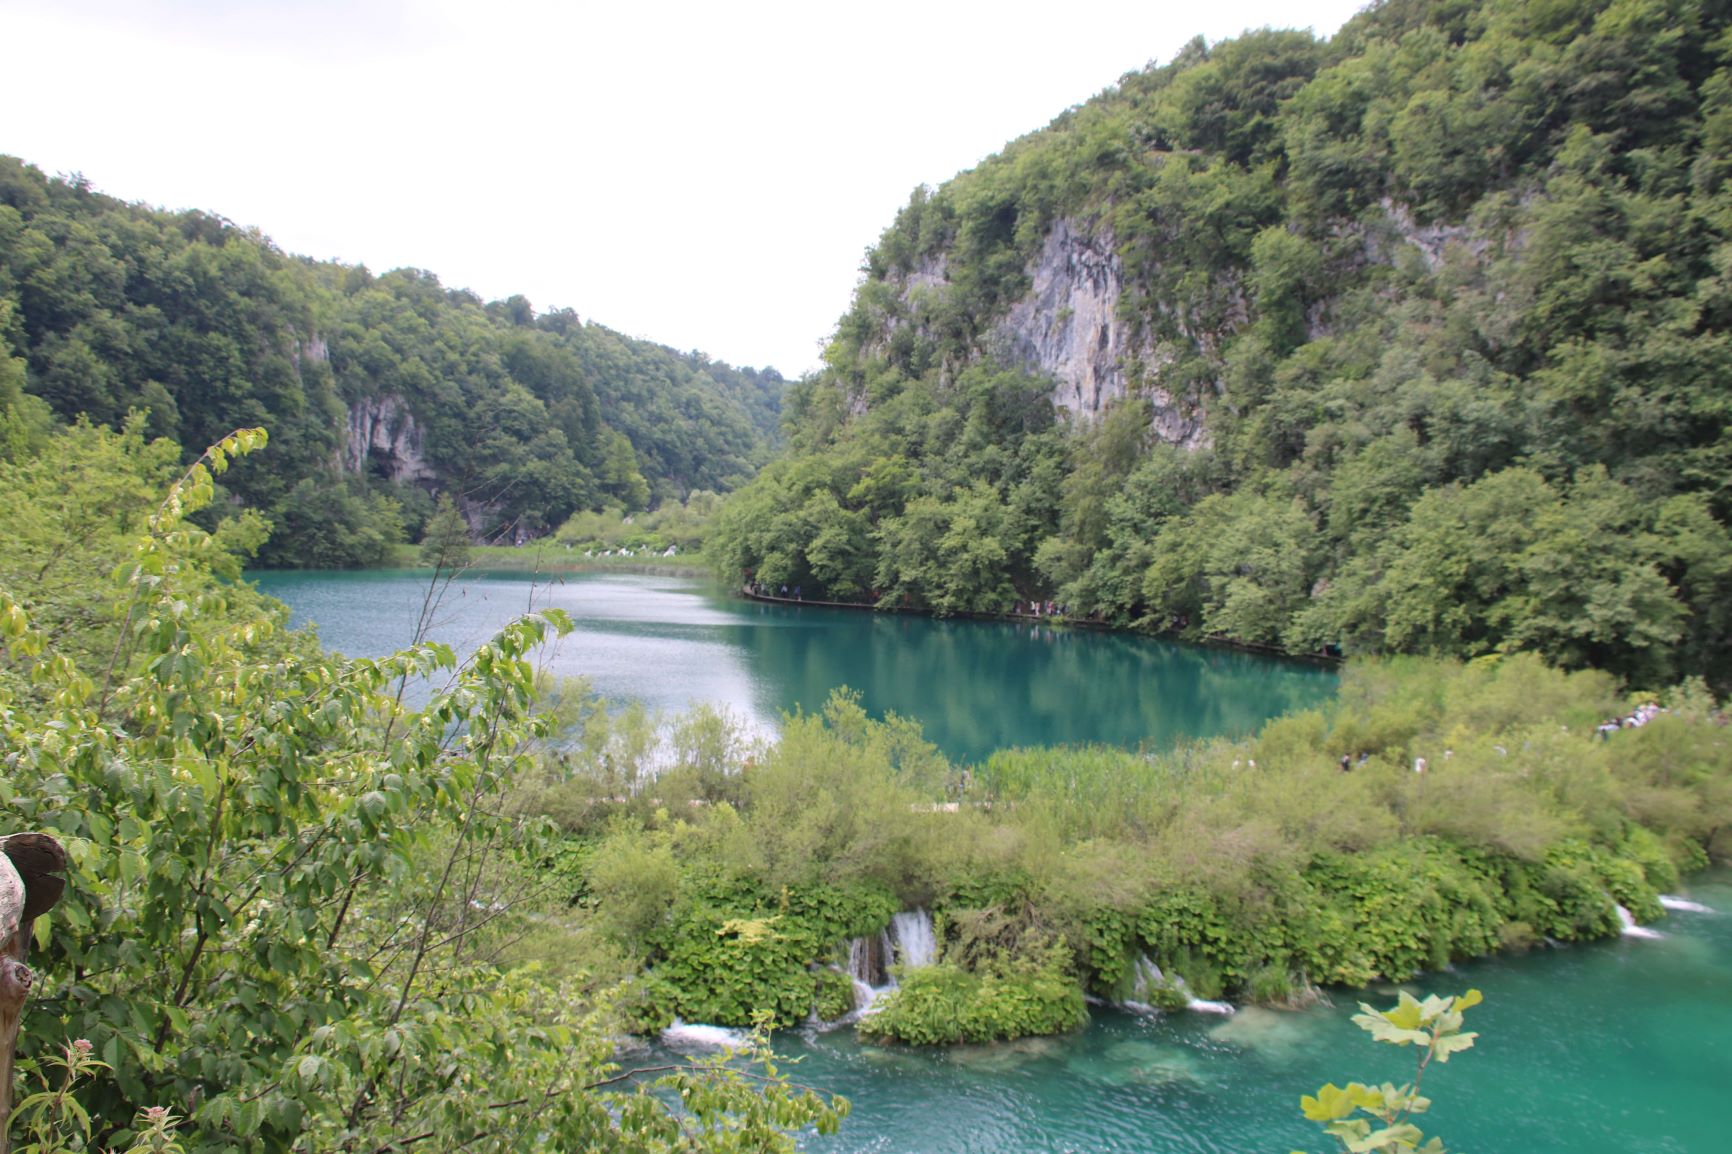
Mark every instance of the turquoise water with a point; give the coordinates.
(1618, 1047)
(976, 686)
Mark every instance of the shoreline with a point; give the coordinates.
(1056, 619)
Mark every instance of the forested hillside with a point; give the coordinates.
(379, 391)
(1414, 339)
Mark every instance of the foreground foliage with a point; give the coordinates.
(1433, 1028)
(290, 893)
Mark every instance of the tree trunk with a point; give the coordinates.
(29, 886)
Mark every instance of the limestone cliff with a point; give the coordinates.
(382, 436)
(1069, 327)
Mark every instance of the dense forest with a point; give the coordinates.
(380, 391)
(1415, 341)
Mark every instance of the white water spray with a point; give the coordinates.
(702, 1036)
(1684, 905)
(1632, 930)
(1149, 977)
(911, 936)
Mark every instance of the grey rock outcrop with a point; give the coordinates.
(383, 429)
(1068, 327)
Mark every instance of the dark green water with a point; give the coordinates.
(670, 642)
(1618, 1047)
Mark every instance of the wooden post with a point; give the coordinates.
(30, 865)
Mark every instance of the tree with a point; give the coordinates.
(269, 846)
(445, 541)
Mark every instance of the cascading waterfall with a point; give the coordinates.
(1632, 930)
(911, 934)
(866, 968)
(1146, 976)
(908, 941)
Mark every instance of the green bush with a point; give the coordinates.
(835, 995)
(943, 1004)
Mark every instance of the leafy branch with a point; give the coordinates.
(1434, 1026)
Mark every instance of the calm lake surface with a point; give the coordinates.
(976, 686)
(1619, 1047)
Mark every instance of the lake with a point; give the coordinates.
(976, 686)
(1620, 1047)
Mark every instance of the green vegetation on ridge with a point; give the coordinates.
(380, 391)
(1427, 353)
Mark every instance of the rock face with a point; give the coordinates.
(1067, 326)
(382, 435)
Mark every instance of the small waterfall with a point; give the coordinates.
(1684, 905)
(1632, 930)
(707, 1037)
(907, 941)
(1145, 976)
(1148, 977)
(1205, 1006)
(869, 967)
(868, 961)
(912, 939)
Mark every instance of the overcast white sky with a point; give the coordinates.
(704, 175)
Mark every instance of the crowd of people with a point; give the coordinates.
(1639, 717)
(1037, 609)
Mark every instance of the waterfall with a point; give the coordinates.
(907, 941)
(869, 967)
(912, 939)
(695, 1034)
(867, 961)
(1148, 977)
(1632, 930)
(1684, 905)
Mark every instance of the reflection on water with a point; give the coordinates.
(975, 686)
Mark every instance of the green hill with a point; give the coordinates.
(379, 391)
(1412, 339)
